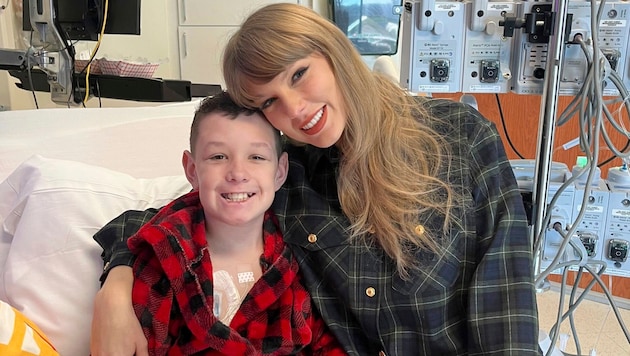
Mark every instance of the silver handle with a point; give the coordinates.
(184, 46)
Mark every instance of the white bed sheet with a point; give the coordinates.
(144, 142)
(64, 173)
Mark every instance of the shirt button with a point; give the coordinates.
(106, 265)
(370, 292)
(419, 230)
(312, 238)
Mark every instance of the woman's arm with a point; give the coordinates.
(115, 328)
(502, 303)
(113, 238)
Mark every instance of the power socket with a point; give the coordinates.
(617, 232)
(591, 228)
(560, 214)
(487, 53)
(434, 34)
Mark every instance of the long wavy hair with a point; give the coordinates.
(391, 158)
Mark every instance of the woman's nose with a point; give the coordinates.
(295, 106)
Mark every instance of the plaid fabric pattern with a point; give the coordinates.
(475, 298)
(117, 68)
(127, 69)
(173, 295)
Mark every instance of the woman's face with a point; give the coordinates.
(304, 102)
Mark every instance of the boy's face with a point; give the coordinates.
(236, 168)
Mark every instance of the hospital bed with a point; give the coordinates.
(64, 173)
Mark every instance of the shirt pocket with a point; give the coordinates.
(435, 277)
(316, 232)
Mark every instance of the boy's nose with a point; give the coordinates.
(237, 173)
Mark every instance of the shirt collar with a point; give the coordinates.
(315, 154)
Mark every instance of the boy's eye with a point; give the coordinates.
(217, 157)
(256, 157)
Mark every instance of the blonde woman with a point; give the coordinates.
(403, 211)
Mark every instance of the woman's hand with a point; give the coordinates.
(115, 329)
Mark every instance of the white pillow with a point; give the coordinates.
(49, 210)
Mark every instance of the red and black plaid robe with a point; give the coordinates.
(172, 293)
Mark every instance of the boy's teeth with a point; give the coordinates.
(237, 196)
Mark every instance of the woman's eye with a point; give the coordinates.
(266, 104)
(299, 73)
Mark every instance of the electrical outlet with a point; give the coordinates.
(592, 227)
(434, 35)
(487, 53)
(613, 56)
(617, 232)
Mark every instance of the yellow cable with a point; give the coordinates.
(94, 50)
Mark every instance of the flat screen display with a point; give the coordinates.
(371, 25)
(82, 19)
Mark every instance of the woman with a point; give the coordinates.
(403, 212)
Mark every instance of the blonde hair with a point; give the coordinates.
(391, 157)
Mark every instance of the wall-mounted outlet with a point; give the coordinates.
(594, 201)
(589, 240)
(617, 233)
(617, 250)
(433, 34)
(487, 53)
(613, 56)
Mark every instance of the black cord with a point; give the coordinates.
(30, 73)
(607, 160)
(507, 136)
(100, 12)
(98, 89)
(30, 82)
(66, 48)
(75, 87)
(87, 64)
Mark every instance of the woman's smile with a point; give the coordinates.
(316, 123)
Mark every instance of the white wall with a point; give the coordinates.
(320, 6)
(158, 43)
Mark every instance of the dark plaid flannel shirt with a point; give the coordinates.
(173, 293)
(477, 298)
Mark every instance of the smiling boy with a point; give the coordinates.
(212, 272)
